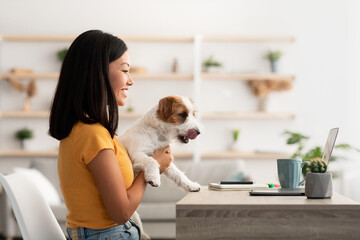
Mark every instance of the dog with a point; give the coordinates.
(172, 120)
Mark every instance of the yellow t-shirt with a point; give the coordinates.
(81, 195)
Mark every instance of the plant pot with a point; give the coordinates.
(235, 146)
(213, 69)
(262, 103)
(274, 66)
(24, 144)
(318, 185)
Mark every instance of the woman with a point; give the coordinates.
(95, 172)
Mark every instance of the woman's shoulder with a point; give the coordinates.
(86, 129)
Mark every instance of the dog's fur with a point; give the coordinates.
(173, 118)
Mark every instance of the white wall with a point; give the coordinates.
(323, 58)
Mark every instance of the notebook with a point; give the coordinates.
(235, 187)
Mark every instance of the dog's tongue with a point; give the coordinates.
(191, 134)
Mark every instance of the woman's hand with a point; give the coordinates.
(164, 157)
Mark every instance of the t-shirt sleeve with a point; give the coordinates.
(91, 139)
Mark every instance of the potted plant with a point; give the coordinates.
(61, 54)
(23, 135)
(235, 146)
(212, 65)
(299, 140)
(318, 182)
(273, 57)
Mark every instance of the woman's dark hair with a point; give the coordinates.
(83, 92)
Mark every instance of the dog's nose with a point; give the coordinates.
(197, 131)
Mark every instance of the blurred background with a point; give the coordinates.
(314, 86)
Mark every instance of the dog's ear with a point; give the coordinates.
(165, 111)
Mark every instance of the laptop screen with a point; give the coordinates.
(329, 146)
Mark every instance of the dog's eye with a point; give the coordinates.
(183, 114)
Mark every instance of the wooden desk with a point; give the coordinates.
(237, 215)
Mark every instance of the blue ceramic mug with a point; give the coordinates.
(289, 172)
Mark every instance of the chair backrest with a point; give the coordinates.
(33, 214)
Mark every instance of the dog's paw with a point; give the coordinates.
(144, 236)
(153, 180)
(193, 187)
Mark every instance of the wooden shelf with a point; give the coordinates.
(28, 154)
(22, 114)
(35, 75)
(136, 76)
(209, 155)
(162, 76)
(248, 76)
(45, 114)
(134, 115)
(248, 38)
(69, 38)
(243, 155)
(166, 76)
(144, 38)
(54, 154)
(249, 115)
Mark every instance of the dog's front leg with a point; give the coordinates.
(181, 179)
(150, 167)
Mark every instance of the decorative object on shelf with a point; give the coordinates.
(30, 89)
(261, 89)
(273, 57)
(299, 140)
(318, 182)
(138, 70)
(23, 135)
(211, 65)
(235, 145)
(175, 66)
(61, 54)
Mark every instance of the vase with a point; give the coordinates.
(262, 103)
(318, 185)
(213, 69)
(274, 66)
(24, 144)
(235, 145)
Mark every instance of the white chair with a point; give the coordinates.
(33, 214)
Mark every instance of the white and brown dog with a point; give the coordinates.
(173, 118)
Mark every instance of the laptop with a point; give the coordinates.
(329, 146)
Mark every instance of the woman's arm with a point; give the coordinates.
(119, 202)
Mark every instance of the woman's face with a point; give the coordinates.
(120, 79)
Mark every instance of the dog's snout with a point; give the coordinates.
(197, 131)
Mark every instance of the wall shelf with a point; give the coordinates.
(248, 76)
(135, 115)
(183, 155)
(244, 155)
(23, 114)
(144, 38)
(54, 154)
(35, 75)
(248, 115)
(45, 114)
(136, 76)
(246, 38)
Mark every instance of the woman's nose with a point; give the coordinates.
(130, 81)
